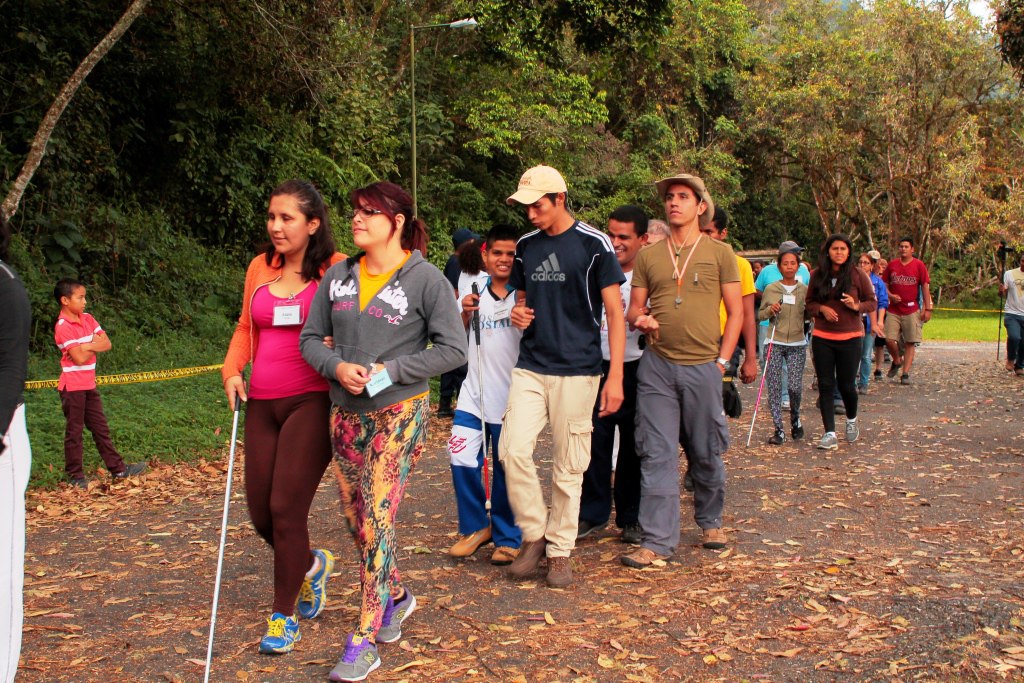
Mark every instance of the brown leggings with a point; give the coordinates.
(287, 450)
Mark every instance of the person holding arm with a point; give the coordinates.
(287, 449)
(685, 278)
(382, 308)
(838, 295)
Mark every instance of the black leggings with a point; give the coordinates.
(836, 362)
(287, 450)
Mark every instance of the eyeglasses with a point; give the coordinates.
(363, 212)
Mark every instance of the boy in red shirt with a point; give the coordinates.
(79, 338)
(910, 306)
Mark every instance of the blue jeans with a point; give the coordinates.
(1014, 332)
(470, 495)
(866, 360)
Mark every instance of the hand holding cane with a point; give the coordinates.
(223, 533)
(764, 374)
(480, 392)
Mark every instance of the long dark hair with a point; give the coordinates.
(821, 282)
(392, 200)
(321, 243)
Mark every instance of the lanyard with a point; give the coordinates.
(678, 274)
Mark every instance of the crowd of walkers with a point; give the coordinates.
(626, 341)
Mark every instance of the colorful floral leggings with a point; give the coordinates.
(795, 357)
(374, 453)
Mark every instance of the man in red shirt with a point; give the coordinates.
(910, 306)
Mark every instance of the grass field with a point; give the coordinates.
(963, 326)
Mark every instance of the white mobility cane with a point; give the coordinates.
(764, 374)
(223, 535)
(480, 391)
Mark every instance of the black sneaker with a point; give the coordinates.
(132, 470)
(779, 437)
(688, 482)
(893, 369)
(878, 374)
(631, 533)
(587, 528)
(904, 379)
(79, 483)
(798, 430)
(839, 408)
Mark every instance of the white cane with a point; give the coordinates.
(480, 391)
(764, 375)
(223, 536)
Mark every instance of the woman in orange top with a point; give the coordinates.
(287, 448)
(838, 295)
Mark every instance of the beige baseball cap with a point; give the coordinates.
(537, 182)
(694, 183)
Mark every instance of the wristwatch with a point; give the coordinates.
(723, 362)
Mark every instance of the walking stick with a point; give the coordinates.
(480, 391)
(1002, 273)
(767, 359)
(223, 535)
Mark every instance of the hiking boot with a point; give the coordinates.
(282, 634)
(893, 369)
(829, 442)
(470, 543)
(394, 614)
(797, 431)
(503, 556)
(642, 558)
(359, 659)
(852, 430)
(904, 379)
(688, 482)
(313, 592)
(559, 572)
(632, 534)
(777, 438)
(586, 528)
(529, 557)
(132, 470)
(713, 539)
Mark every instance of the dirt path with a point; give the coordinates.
(900, 559)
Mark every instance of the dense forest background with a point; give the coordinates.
(804, 117)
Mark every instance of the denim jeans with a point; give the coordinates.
(1014, 332)
(866, 360)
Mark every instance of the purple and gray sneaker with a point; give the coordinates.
(394, 614)
(359, 660)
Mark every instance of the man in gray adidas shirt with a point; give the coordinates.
(564, 273)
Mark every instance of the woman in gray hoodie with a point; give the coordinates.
(381, 307)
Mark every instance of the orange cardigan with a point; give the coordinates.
(243, 342)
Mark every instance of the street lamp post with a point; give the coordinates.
(461, 23)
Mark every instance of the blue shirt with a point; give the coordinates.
(770, 274)
(563, 276)
(881, 295)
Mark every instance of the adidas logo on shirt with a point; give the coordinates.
(548, 271)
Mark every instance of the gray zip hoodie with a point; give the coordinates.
(416, 305)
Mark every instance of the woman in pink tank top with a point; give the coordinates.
(287, 448)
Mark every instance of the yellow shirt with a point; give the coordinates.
(370, 284)
(746, 286)
(689, 332)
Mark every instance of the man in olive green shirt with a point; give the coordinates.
(685, 278)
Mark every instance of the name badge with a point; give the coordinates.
(502, 309)
(789, 298)
(286, 314)
(379, 381)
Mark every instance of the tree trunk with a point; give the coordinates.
(60, 103)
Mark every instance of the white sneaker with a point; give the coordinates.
(852, 431)
(829, 442)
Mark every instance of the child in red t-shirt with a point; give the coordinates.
(79, 338)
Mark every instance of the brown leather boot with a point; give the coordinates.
(530, 555)
(559, 572)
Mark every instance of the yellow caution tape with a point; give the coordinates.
(968, 310)
(133, 377)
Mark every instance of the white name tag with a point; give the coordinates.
(379, 381)
(287, 314)
(502, 309)
(789, 298)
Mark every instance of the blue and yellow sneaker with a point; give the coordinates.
(282, 634)
(313, 594)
